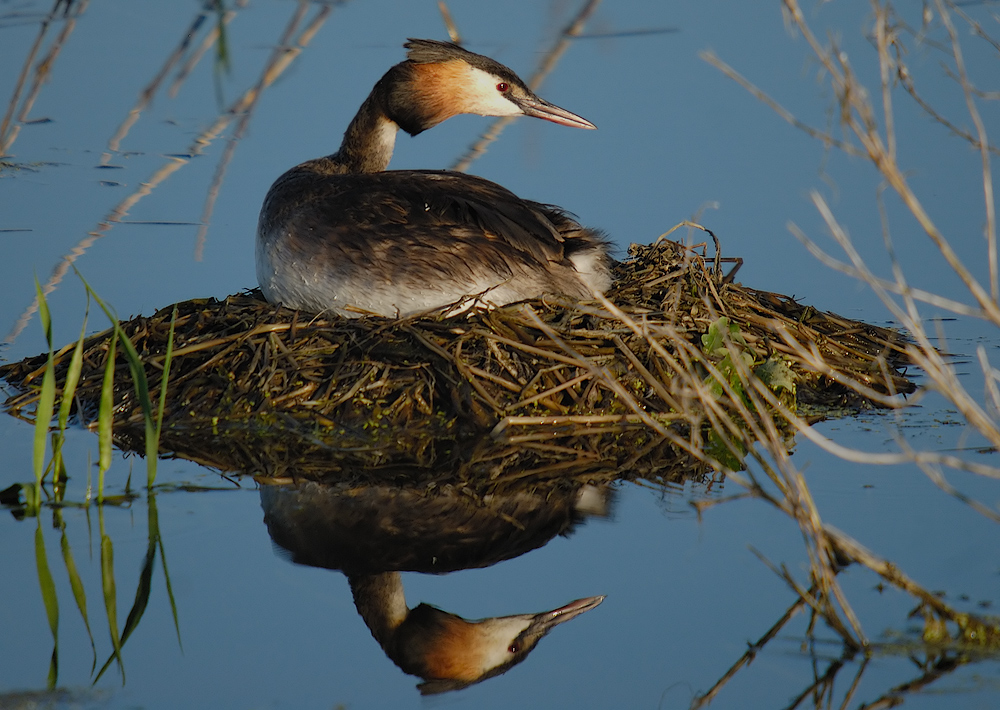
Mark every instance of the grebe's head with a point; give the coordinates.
(440, 80)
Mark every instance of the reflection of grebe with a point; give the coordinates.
(446, 650)
(372, 532)
(339, 233)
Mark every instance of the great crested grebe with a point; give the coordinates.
(373, 531)
(341, 234)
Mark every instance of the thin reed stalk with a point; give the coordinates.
(868, 120)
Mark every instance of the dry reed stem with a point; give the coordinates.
(990, 227)
(208, 41)
(859, 118)
(147, 94)
(827, 546)
(797, 501)
(838, 545)
(286, 51)
(43, 69)
(172, 164)
(922, 353)
(704, 699)
(623, 375)
(822, 136)
(449, 22)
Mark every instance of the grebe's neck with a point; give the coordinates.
(381, 603)
(369, 140)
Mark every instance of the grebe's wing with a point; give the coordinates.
(434, 206)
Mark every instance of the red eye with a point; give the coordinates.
(502, 87)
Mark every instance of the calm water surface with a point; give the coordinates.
(684, 594)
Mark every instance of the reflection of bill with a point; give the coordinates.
(372, 533)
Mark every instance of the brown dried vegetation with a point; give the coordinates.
(537, 389)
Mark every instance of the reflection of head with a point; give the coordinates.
(449, 652)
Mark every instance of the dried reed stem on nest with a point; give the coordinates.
(869, 131)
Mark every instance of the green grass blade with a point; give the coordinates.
(141, 592)
(46, 582)
(222, 56)
(47, 398)
(90, 488)
(32, 498)
(68, 391)
(144, 586)
(167, 359)
(110, 598)
(79, 593)
(131, 355)
(53, 668)
(105, 416)
(58, 465)
(170, 596)
(138, 606)
(50, 599)
(153, 443)
(154, 527)
(138, 377)
(146, 574)
(72, 378)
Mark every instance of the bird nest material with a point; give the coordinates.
(537, 388)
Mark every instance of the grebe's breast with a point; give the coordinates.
(402, 242)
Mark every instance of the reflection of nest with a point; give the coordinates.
(417, 392)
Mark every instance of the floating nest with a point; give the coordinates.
(532, 389)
